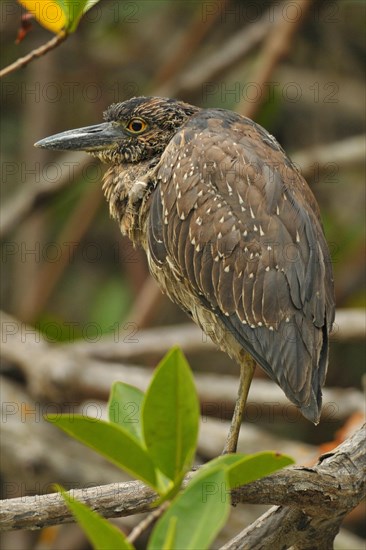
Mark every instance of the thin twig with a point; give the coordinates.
(34, 54)
(146, 522)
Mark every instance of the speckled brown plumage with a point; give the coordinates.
(231, 230)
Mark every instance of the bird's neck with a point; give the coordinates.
(127, 188)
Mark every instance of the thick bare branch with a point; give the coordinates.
(114, 500)
(327, 492)
(321, 495)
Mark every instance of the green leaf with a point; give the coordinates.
(112, 441)
(200, 511)
(225, 461)
(102, 534)
(255, 466)
(124, 408)
(171, 416)
(74, 10)
(62, 4)
(243, 469)
(89, 4)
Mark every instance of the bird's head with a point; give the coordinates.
(137, 129)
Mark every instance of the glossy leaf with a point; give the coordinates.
(171, 416)
(101, 533)
(124, 408)
(111, 441)
(200, 511)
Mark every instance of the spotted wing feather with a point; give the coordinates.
(240, 224)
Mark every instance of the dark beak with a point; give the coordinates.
(90, 138)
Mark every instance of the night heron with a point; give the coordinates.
(232, 234)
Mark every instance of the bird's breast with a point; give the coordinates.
(127, 188)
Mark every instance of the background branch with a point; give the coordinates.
(345, 152)
(276, 46)
(233, 51)
(87, 370)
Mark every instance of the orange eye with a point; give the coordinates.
(136, 125)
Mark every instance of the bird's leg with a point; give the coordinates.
(247, 368)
